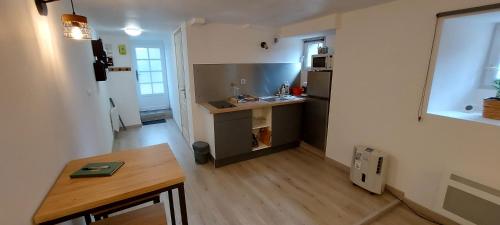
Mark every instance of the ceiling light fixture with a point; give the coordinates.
(133, 31)
(75, 26)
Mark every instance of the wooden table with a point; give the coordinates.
(147, 171)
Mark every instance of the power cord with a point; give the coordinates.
(415, 212)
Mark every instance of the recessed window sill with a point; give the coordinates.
(472, 116)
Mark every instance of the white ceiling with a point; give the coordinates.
(164, 15)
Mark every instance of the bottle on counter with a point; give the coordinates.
(236, 92)
(287, 88)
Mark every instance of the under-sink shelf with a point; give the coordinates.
(260, 123)
(261, 146)
(262, 128)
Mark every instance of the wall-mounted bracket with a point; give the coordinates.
(41, 6)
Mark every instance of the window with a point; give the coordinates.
(467, 61)
(149, 71)
(492, 65)
(311, 48)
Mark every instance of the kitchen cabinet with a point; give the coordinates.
(315, 122)
(286, 124)
(233, 133)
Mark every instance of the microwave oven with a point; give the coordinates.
(322, 62)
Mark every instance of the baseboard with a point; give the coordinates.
(313, 150)
(394, 191)
(338, 165)
(254, 154)
(429, 214)
(134, 125)
(379, 213)
(423, 211)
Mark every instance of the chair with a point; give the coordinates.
(150, 215)
(103, 214)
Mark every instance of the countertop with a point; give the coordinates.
(251, 105)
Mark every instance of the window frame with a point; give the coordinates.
(151, 83)
(305, 54)
(490, 71)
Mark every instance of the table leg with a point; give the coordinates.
(182, 202)
(171, 205)
(156, 200)
(88, 220)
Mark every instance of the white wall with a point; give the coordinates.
(122, 85)
(53, 110)
(225, 43)
(463, 48)
(330, 42)
(381, 63)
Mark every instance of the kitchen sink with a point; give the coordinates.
(277, 98)
(221, 104)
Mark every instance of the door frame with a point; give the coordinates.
(184, 123)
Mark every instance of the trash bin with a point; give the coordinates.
(201, 152)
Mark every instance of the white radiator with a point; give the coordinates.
(469, 202)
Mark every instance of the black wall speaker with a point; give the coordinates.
(101, 59)
(100, 71)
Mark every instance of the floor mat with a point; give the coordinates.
(153, 115)
(154, 122)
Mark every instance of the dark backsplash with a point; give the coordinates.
(214, 82)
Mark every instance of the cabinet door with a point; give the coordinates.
(315, 122)
(233, 134)
(286, 124)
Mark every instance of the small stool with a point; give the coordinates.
(105, 212)
(151, 215)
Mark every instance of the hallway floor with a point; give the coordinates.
(290, 187)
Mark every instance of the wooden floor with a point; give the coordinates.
(287, 188)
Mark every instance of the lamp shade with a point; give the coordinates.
(75, 27)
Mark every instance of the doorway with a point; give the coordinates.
(181, 81)
(149, 61)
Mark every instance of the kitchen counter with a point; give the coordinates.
(251, 105)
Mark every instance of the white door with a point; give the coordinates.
(179, 60)
(151, 76)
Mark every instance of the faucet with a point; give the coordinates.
(284, 89)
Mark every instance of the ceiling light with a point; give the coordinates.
(75, 26)
(133, 31)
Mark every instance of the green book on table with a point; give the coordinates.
(102, 169)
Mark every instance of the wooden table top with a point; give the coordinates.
(145, 170)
